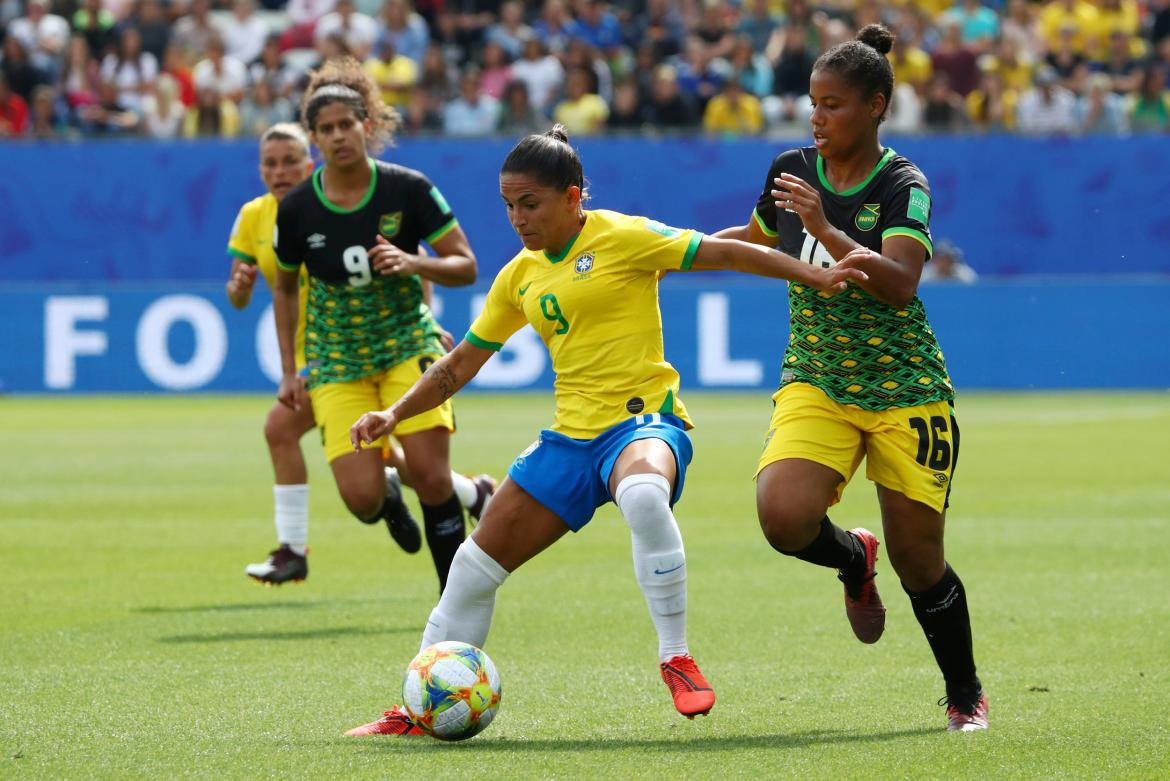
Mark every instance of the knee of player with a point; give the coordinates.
(787, 527)
(278, 431)
(364, 501)
(643, 496)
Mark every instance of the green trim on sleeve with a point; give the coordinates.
(483, 344)
(760, 221)
(286, 266)
(917, 235)
(692, 248)
(451, 225)
(243, 257)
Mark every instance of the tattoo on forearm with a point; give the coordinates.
(445, 378)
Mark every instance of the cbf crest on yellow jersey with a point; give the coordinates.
(251, 243)
(595, 306)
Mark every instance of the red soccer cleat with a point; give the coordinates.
(967, 716)
(693, 696)
(395, 721)
(863, 605)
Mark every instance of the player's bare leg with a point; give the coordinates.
(914, 543)
(473, 492)
(792, 497)
(283, 429)
(361, 481)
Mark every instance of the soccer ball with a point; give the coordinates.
(451, 690)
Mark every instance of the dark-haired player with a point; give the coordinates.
(863, 375)
(355, 225)
(587, 281)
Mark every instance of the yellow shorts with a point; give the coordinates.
(338, 405)
(911, 450)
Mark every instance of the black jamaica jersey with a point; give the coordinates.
(358, 322)
(855, 348)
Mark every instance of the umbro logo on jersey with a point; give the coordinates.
(316, 241)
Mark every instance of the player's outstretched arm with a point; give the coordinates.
(240, 282)
(749, 232)
(285, 308)
(734, 255)
(440, 382)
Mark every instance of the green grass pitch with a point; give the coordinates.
(131, 644)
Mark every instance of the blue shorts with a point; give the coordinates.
(571, 476)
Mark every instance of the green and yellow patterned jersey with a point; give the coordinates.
(595, 306)
(358, 322)
(855, 348)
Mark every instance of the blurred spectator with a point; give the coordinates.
(262, 109)
(953, 58)
(1119, 65)
(108, 116)
(733, 111)
(1100, 111)
(579, 54)
(406, 29)
(96, 24)
(668, 107)
(270, 67)
(175, 65)
(626, 111)
(905, 115)
(661, 26)
(794, 60)
(304, 15)
(193, 33)
(758, 21)
(541, 71)
(510, 32)
(43, 34)
(1159, 11)
(582, 112)
(395, 74)
(755, 72)
(978, 24)
(497, 72)
(518, 117)
(131, 69)
(1061, 16)
(1065, 58)
(79, 78)
(154, 27)
(225, 73)
(555, 27)
(911, 63)
(13, 111)
(1014, 69)
(359, 31)
(1020, 26)
(942, 109)
(1047, 108)
(697, 77)
(162, 111)
(713, 31)
(1149, 107)
(436, 86)
(597, 26)
(245, 34)
(45, 123)
(1117, 16)
(472, 113)
(213, 115)
(947, 265)
(471, 18)
(21, 74)
(991, 107)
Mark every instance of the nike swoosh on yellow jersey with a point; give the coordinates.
(524, 289)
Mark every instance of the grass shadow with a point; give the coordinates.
(229, 608)
(782, 741)
(294, 634)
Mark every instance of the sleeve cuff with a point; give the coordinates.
(760, 221)
(287, 266)
(692, 248)
(483, 344)
(917, 235)
(451, 225)
(243, 257)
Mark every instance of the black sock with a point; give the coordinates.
(445, 527)
(834, 547)
(941, 610)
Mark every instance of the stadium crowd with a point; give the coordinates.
(225, 68)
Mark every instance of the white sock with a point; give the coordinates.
(464, 489)
(464, 612)
(660, 564)
(292, 516)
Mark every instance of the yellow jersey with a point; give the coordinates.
(595, 307)
(251, 243)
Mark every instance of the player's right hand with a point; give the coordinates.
(242, 279)
(292, 392)
(371, 427)
(846, 270)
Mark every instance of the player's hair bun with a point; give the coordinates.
(559, 132)
(878, 36)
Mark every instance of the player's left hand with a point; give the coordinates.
(446, 339)
(797, 195)
(387, 259)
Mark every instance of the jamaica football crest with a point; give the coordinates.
(388, 224)
(867, 216)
